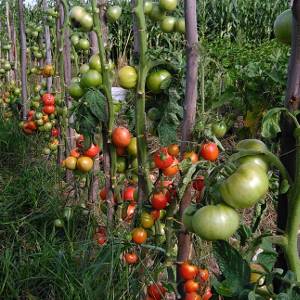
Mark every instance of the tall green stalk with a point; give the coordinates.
(145, 185)
(107, 92)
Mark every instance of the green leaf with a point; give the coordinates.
(271, 122)
(232, 265)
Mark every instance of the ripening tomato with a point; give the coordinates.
(192, 156)
(31, 113)
(127, 213)
(31, 125)
(84, 164)
(48, 99)
(100, 238)
(92, 151)
(49, 109)
(207, 294)
(203, 274)
(163, 159)
(127, 77)
(156, 291)
(48, 70)
(147, 220)
(128, 193)
(172, 170)
(131, 258)
(192, 296)
(191, 286)
(173, 149)
(55, 132)
(139, 235)
(188, 271)
(159, 200)
(70, 162)
(209, 151)
(79, 141)
(121, 137)
(198, 183)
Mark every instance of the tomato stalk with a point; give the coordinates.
(293, 220)
(110, 183)
(145, 185)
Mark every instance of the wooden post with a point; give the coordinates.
(23, 58)
(190, 102)
(48, 46)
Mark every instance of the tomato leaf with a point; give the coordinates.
(271, 122)
(233, 267)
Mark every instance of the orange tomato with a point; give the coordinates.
(139, 235)
(173, 149)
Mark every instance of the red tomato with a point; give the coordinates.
(198, 183)
(128, 193)
(120, 151)
(49, 109)
(130, 212)
(100, 235)
(79, 141)
(55, 132)
(155, 213)
(31, 113)
(74, 152)
(31, 125)
(171, 170)
(207, 294)
(139, 235)
(191, 286)
(121, 137)
(209, 151)
(92, 151)
(203, 274)
(103, 194)
(163, 159)
(130, 258)
(188, 271)
(159, 200)
(192, 296)
(48, 99)
(156, 291)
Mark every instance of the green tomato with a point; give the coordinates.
(247, 185)
(86, 22)
(253, 144)
(168, 5)
(58, 223)
(90, 79)
(135, 166)
(156, 13)
(167, 24)
(283, 27)
(84, 68)
(158, 81)
(127, 77)
(47, 126)
(132, 147)
(188, 216)
(76, 14)
(114, 13)
(215, 222)
(121, 164)
(75, 90)
(95, 62)
(75, 40)
(148, 5)
(219, 129)
(83, 44)
(180, 25)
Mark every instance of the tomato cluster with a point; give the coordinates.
(155, 291)
(81, 159)
(196, 284)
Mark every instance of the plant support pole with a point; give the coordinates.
(190, 102)
(144, 184)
